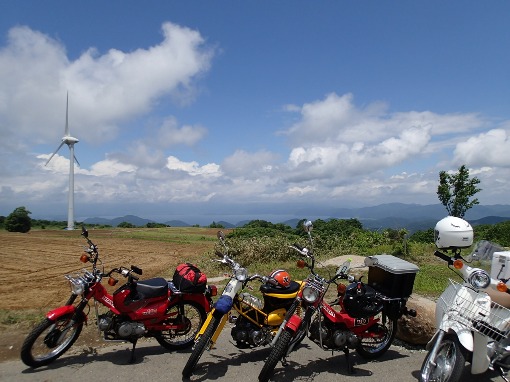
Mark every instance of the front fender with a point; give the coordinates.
(463, 334)
(63, 311)
(294, 323)
(223, 305)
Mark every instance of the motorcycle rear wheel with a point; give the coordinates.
(200, 346)
(49, 340)
(450, 361)
(372, 348)
(194, 316)
(277, 353)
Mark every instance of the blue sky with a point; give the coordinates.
(250, 108)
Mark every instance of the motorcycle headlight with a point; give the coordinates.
(310, 295)
(241, 274)
(77, 286)
(479, 279)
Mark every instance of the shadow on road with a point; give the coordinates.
(336, 363)
(216, 370)
(119, 355)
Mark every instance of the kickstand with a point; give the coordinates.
(284, 362)
(132, 358)
(503, 374)
(350, 368)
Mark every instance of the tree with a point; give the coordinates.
(216, 225)
(18, 220)
(455, 191)
(126, 225)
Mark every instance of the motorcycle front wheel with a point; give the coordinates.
(277, 353)
(449, 362)
(378, 340)
(193, 318)
(200, 346)
(49, 340)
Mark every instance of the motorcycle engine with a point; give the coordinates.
(114, 328)
(130, 329)
(331, 338)
(247, 334)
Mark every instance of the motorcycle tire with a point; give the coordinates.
(372, 348)
(200, 346)
(449, 362)
(48, 341)
(278, 351)
(194, 315)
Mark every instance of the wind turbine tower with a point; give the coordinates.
(70, 142)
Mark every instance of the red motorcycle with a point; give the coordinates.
(150, 308)
(365, 321)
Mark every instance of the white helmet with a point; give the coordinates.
(452, 232)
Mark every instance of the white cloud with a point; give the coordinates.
(110, 167)
(104, 89)
(357, 159)
(487, 149)
(193, 168)
(249, 165)
(170, 134)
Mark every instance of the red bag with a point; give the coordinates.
(188, 278)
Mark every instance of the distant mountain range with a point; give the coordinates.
(413, 217)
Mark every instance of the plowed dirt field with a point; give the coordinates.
(33, 265)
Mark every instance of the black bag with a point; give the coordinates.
(361, 301)
(188, 278)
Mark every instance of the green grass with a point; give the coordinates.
(23, 318)
(169, 234)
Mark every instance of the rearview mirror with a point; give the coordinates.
(308, 226)
(84, 231)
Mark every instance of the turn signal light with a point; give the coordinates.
(214, 290)
(112, 281)
(84, 258)
(458, 264)
(502, 287)
(341, 288)
(301, 264)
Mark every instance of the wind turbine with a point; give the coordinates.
(69, 141)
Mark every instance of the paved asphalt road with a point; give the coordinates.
(225, 363)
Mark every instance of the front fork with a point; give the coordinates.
(218, 330)
(435, 348)
(288, 315)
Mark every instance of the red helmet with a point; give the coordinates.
(282, 277)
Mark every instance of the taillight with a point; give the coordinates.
(213, 290)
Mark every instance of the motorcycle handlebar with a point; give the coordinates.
(264, 279)
(444, 257)
(302, 250)
(297, 246)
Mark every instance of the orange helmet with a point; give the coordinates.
(282, 277)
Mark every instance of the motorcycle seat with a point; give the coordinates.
(292, 288)
(152, 287)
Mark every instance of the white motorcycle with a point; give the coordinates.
(471, 325)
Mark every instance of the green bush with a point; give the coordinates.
(19, 220)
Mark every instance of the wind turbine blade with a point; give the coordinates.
(67, 116)
(58, 148)
(77, 160)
